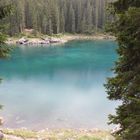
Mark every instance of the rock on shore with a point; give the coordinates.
(57, 40)
(37, 41)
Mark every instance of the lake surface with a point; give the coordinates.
(58, 86)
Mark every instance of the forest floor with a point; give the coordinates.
(58, 39)
(63, 134)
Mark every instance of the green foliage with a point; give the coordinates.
(89, 138)
(4, 50)
(4, 11)
(125, 86)
(123, 5)
(61, 134)
(57, 16)
(0, 106)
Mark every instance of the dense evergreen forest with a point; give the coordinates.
(89, 16)
(125, 85)
(56, 16)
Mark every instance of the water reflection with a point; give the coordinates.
(58, 87)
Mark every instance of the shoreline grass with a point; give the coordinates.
(59, 134)
(63, 38)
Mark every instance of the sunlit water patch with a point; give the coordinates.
(58, 86)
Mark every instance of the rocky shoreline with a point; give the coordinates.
(56, 40)
(34, 41)
(54, 134)
(57, 134)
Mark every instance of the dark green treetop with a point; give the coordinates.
(125, 85)
(4, 50)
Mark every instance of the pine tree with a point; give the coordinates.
(83, 24)
(97, 15)
(125, 85)
(55, 16)
(73, 21)
(49, 27)
(62, 21)
(4, 50)
(79, 16)
(88, 13)
(60, 15)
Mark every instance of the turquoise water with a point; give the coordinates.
(57, 86)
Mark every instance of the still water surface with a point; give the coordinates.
(58, 86)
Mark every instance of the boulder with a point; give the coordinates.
(44, 42)
(55, 40)
(22, 41)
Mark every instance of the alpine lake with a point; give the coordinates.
(58, 86)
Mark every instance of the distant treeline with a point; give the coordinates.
(57, 16)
